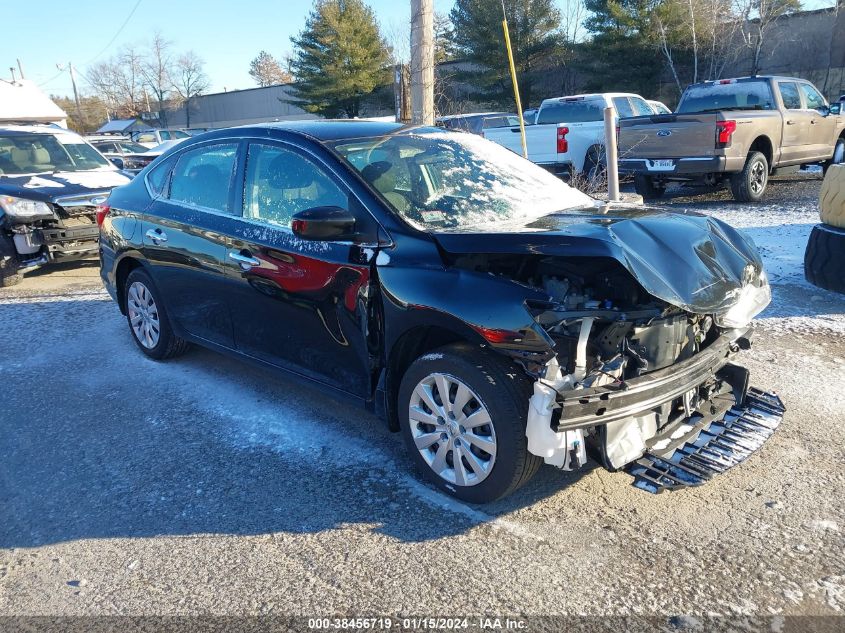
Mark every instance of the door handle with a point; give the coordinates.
(156, 235)
(246, 261)
(790, 122)
(813, 121)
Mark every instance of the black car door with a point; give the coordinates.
(184, 242)
(300, 305)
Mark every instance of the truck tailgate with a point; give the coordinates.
(541, 141)
(668, 136)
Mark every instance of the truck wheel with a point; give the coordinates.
(148, 320)
(838, 155)
(647, 188)
(9, 265)
(749, 185)
(462, 412)
(824, 259)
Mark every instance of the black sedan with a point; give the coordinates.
(495, 316)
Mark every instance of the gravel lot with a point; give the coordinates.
(204, 486)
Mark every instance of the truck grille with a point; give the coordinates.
(85, 205)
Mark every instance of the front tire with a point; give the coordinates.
(462, 413)
(750, 184)
(9, 264)
(148, 320)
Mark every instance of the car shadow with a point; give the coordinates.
(113, 445)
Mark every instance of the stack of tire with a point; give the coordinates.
(824, 260)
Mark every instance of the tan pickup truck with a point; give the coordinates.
(734, 130)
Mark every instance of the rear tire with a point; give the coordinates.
(9, 263)
(646, 187)
(595, 168)
(824, 259)
(498, 389)
(750, 184)
(147, 317)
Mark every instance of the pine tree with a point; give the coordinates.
(267, 71)
(340, 58)
(534, 27)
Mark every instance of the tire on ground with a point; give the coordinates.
(9, 275)
(832, 198)
(169, 345)
(741, 183)
(504, 390)
(824, 259)
(644, 185)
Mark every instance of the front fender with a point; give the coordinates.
(478, 306)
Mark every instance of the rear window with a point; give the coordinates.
(575, 111)
(740, 95)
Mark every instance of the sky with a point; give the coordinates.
(227, 34)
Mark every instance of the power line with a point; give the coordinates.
(105, 48)
(119, 31)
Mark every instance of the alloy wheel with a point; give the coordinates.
(758, 177)
(839, 153)
(143, 315)
(452, 429)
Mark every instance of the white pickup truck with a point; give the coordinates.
(568, 136)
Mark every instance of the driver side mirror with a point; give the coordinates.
(834, 108)
(324, 223)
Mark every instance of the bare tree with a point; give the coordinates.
(190, 80)
(157, 70)
(758, 17)
(573, 14)
(119, 82)
(266, 70)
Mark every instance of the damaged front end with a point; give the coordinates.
(642, 382)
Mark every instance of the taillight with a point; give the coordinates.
(562, 143)
(495, 336)
(102, 212)
(724, 132)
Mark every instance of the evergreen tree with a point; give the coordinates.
(536, 39)
(340, 58)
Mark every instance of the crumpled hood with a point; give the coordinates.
(48, 187)
(695, 262)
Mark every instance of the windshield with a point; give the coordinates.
(740, 95)
(40, 153)
(437, 179)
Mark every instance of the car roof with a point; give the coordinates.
(335, 129)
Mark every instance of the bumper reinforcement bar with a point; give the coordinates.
(719, 446)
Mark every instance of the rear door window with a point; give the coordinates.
(641, 107)
(789, 94)
(623, 107)
(203, 177)
(576, 110)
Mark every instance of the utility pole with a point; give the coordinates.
(422, 62)
(75, 91)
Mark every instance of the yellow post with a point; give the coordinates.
(515, 84)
